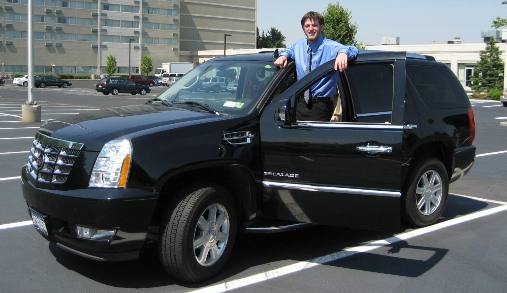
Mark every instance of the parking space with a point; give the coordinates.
(463, 252)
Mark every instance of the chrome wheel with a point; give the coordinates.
(211, 235)
(428, 193)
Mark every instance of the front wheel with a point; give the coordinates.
(427, 193)
(25, 83)
(142, 92)
(199, 233)
(42, 85)
(115, 92)
(65, 85)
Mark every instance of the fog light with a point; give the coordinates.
(94, 234)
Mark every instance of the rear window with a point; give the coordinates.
(437, 85)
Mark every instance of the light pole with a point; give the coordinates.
(53, 69)
(225, 41)
(130, 44)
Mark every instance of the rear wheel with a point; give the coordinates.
(142, 92)
(133, 93)
(105, 93)
(504, 104)
(42, 85)
(427, 193)
(199, 233)
(115, 92)
(25, 83)
(65, 85)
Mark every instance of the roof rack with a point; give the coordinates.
(420, 56)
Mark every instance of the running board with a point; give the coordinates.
(271, 229)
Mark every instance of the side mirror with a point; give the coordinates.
(284, 112)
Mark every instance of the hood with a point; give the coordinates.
(94, 129)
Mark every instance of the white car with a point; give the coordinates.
(21, 81)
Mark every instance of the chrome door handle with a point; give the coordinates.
(375, 149)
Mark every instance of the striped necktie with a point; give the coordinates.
(308, 69)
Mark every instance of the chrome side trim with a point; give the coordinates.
(316, 188)
(374, 114)
(345, 125)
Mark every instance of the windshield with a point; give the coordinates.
(230, 87)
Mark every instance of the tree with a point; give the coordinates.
(338, 26)
(488, 74)
(146, 65)
(110, 65)
(272, 39)
(499, 22)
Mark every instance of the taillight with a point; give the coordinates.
(471, 121)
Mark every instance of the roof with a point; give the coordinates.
(364, 55)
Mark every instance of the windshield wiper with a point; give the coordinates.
(205, 107)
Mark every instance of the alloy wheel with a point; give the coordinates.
(428, 192)
(211, 235)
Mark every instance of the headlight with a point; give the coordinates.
(112, 167)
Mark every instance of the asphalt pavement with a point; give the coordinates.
(464, 252)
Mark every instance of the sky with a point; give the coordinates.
(415, 22)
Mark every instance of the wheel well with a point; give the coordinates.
(436, 150)
(238, 182)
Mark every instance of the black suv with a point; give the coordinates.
(44, 81)
(192, 167)
(116, 85)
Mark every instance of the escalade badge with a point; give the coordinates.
(281, 174)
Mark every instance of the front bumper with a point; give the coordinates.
(128, 211)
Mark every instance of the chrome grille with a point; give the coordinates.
(51, 159)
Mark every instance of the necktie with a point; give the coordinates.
(308, 70)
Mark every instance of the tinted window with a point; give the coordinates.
(437, 85)
(371, 86)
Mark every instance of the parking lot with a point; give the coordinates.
(464, 252)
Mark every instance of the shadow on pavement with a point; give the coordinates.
(260, 252)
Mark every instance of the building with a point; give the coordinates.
(74, 36)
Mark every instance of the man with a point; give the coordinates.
(310, 53)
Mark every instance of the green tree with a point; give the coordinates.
(111, 65)
(499, 21)
(338, 25)
(273, 38)
(488, 74)
(146, 65)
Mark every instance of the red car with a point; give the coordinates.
(142, 80)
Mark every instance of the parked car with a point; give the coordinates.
(170, 78)
(503, 98)
(116, 85)
(2, 80)
(146, 80)
(21, 81)
(192, 168)
(216, 83)
(44, 81)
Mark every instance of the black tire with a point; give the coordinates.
(176, 245)
(105, 93)
(133, 93)
(504, 104)
(25, 83)
(65, 85)
(42, 85)
(413, 214)
(115, 92)
(142, 92)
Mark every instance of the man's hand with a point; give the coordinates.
(281, 62)
(341, 62)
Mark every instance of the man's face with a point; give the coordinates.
(312, 29)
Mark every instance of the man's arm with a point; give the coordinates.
(285, 55)
(344, 54)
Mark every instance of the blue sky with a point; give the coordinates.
(415, 22)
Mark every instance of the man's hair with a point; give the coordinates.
(313, 16)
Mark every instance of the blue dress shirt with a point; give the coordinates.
(323, 50)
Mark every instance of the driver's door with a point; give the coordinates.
(345, 173)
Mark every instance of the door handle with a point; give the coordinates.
(372, 149)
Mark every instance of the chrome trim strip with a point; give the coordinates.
(315, 188)
(374, 114)
(350, 125)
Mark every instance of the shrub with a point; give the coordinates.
(495, 94)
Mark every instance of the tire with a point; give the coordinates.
(65, 85)
(25, 83)
(504, 104)
(115, 92)
(181, 230)
(105, 93)
(424, 181)
(42, 85)
(133, 93)
(142, 92)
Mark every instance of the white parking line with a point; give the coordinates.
(350, 251)
(491, 106)
(10, 121)
(480, 198)
(490, 154)
(501, 118)
(13, 153)
(10, 115)
(15, 225)
(10, 178)
(60, 113)
(13, 128)
(16, 138)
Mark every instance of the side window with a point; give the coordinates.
(372, 88)
(437, 85)
(320, 101)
